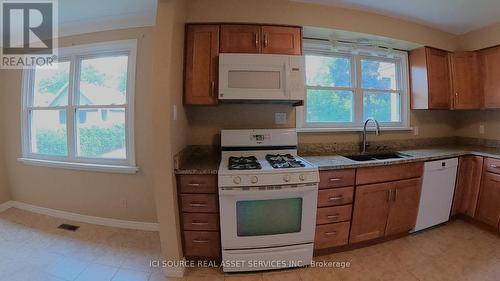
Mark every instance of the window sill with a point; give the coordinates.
(334, 130)
(80, 166)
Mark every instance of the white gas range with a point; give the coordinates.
(268, 199)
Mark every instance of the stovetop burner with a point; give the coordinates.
(244, 163)
(282, 161)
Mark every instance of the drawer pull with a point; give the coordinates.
(335, 179)
(198, 205)
(336, 198)
(331, 233)
(195, 184)
(200, 241)
(199, 223)
(494, 166)
(332, 217)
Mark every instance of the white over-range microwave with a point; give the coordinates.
(261, 77)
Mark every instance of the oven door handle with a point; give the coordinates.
(241, 191)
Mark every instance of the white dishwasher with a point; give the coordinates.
(438, 187)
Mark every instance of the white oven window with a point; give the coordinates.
(268, 217)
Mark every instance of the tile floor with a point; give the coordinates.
(33, 249)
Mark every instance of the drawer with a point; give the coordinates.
(331, 235)
(199, 203)
(198, 183)
(389, 173)
(336, 196)
(493, 165)
(194, 221)
(201, 244)
(333, 214)
(337, 178)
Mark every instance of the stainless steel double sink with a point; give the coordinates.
(377, 156)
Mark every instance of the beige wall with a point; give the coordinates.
(118, 196)
(205, 123)
(483, 38)
(4, 189)
(304, 14)
(468, 123)
(168, 136)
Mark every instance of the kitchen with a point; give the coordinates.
(256, 140)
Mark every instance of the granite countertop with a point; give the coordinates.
(202, 162)
(332, 162)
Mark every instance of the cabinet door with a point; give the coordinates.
(200, 78)
(490, 61)
(371, 209)
(467, 93)
(404, 206)
(468, 184)
(488, 208)
(438, 73)
(281, 40)
(240, 39)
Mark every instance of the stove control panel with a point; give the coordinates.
(263, 179)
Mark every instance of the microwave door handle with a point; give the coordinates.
(287, 79)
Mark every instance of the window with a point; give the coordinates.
(347, 86)
(79, 114)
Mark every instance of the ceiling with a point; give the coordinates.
(454, 16)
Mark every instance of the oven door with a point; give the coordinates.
(258, 218)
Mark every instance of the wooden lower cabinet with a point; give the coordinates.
(385, 209)
(488, 207)
(331, 235)
(199, 213)
(470, 169)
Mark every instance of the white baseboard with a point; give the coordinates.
(174, 272)
(5, 206)
(149, 226)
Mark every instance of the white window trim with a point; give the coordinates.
(72, 161)
(325, 48)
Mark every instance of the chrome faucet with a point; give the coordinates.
(377, 131)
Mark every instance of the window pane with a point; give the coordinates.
(101, 133)
(385, 107)
(103, 81)
(328, 71)
(51, 85)
(378, 75)
(329, 106)
(48, 132)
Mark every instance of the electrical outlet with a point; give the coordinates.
(174, 112)
(124, 203)
(415, 131)
(280, 118)
(481, 129)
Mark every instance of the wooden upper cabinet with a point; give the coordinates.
(281, 40)
(466, 87)
(468, 184)
(488, 208)
(404, 206)
(430, 79)
(490, 72)
(240, 38)
(201, 64)
(371, 210)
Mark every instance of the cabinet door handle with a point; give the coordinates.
(199, 223)
(389, 195)
(395, 195)
(256, 40)
(332, 217)
(198, 205)
(335, 198)
(200, 241)
(456, 98)
(335, 179)
(265, 40)
(331, 233)
(212, 88)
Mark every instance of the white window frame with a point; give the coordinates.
(75, 54)
(356, 54)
